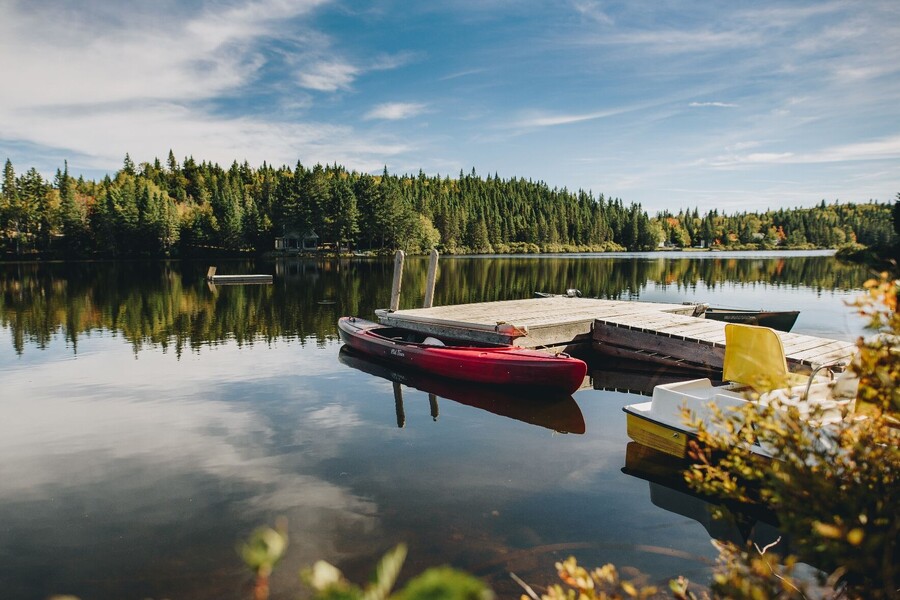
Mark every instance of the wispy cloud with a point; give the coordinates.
(459, 74)
(387, 62)
(712, 104)
(593, 10)
(143, 88)
(176, 57)
(394, 111)
(551, 120)
(881, 149)
(328, 76)
(331, 75)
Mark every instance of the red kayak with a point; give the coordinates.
(481, 363)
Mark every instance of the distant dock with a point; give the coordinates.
(211, 277)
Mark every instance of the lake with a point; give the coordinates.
(149, 423)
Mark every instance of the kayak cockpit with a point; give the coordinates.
(407, 336)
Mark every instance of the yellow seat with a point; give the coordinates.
(754, 356)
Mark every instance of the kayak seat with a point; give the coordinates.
(431, 341)
(754, 356)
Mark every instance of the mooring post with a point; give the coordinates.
(432, 276)
(398, 277)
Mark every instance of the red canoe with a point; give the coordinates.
(483, 363)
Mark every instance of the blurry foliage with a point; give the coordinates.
(603, 583)
(266, 547)
(261, 552)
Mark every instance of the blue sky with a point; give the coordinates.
(728, 105)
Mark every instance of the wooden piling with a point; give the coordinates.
(430, 280)
(398, 277)
(398, 405)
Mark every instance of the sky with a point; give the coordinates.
(728, 105)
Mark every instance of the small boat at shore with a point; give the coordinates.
(781, 320)
(481, 363)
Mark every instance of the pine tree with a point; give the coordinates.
(346, 223)
(71, 215)
(10, 209)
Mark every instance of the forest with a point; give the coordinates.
(180, 209)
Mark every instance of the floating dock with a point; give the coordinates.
(688, 342)
(672, 335)
(529, 323)
(658, 333)
(236, 279)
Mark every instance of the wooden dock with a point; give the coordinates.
(211, 277)
(529, 323)
(689, 342)
(673, 335)
(665, 334)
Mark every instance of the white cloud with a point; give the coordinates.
(882, 149)
(549, 120)
(712, 104)
(388, 62)
(459, 74)
(738, 146)
(102, 137)
(593, 10)
(63, 62)
(394, 111)
(328, 76)
(142, 87)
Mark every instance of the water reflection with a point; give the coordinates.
(740, 524)
(559, 413)
(147, 423)
(168, 304)
(631, 377)
(124, 478)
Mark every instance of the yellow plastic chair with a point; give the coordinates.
(754, 356)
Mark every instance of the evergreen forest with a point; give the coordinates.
(180, 209)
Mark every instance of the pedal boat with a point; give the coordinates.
(751, 352)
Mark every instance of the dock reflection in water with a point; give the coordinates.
(740, 524)
(635, 377)
(557, 412)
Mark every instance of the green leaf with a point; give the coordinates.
(386, 574)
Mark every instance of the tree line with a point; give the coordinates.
(175, 209)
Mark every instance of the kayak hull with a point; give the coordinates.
(490, 364)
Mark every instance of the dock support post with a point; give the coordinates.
(429, 281)
(398, 277)
(435, 411)
(398, 405)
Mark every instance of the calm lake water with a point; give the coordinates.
(148, 423)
